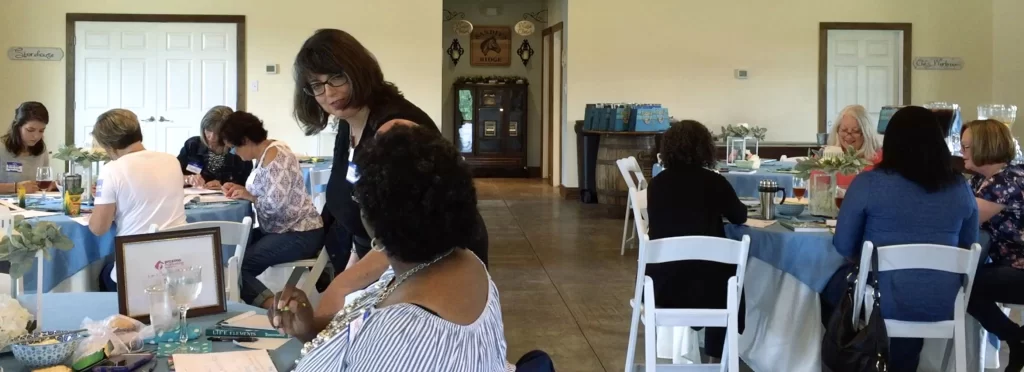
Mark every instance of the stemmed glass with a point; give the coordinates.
(44, 179)
(799, 188)
(183, 286)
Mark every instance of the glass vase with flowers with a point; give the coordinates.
(820, 171)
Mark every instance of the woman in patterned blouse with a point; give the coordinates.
(290, 228)
(999, 189)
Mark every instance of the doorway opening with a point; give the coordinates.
(553, 81)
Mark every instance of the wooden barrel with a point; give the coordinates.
(611, 188)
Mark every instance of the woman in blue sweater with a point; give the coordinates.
(913, 196)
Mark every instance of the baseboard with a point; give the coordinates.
(533, 172)
(569, 193)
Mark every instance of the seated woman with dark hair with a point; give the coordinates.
(912, 196)
(290, 229)
(688, 198)
(436, 308)
(23, 148)
(988, 150)
(205, 161)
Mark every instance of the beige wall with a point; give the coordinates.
(683, 53)
(403, 34)
(511, 12)
(1008, 56)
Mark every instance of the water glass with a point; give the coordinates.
(183, 285)
(161, 310)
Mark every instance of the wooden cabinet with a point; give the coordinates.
(490, 128)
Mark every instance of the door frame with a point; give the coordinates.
(69, 37)
(825, 27)
(551, 91)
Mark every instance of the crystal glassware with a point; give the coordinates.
(183, 285)
(44, 179)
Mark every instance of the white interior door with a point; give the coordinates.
(556, 106)
(168, 74)
(545, 112)
(864, 67)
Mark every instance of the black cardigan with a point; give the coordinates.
(235, 169)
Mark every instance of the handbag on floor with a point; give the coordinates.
(850, 347)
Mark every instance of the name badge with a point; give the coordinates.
(14, 166)
(356, 326)
(194, 168)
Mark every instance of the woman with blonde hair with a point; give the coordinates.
(853, 128)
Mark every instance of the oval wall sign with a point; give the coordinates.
(939, 63)
(35, 54)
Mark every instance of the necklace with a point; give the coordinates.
(371, 297)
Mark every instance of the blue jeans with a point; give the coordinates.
(265, 250)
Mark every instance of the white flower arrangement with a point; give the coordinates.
(14, 319)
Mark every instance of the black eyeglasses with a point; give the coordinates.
(318, 88)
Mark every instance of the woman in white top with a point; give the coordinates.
(23, 148)
(138, 187)
(290, 227)
(436, 309)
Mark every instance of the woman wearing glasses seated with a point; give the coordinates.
(205, 161)
(290, 227)
(854, 129)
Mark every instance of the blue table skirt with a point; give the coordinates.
(65, 311)
(745, 184)
(90, 248)
(317, 166)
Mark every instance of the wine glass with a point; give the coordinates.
(183, 286)
(44, 179)
(799, 188)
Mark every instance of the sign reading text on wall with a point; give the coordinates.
(939, 63)
(35, 54)
(490, 46)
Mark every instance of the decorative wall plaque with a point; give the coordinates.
(513, 129)
(490, 46)
(35, 54)
(490, 128)
(938, 63)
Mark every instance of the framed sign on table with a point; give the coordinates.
(141, 257)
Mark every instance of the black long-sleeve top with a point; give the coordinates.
(234, 170)
(685, 201)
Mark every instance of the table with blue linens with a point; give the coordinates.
(308, 167)
(90, 249)
(745, 184)
(785, 273)
(65, 311)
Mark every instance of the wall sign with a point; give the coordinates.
(490, 46)
(35, 54)
(938, 63)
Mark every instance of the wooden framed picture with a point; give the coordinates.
(490, 46)
(141, 259)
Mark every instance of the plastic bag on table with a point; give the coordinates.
(118, 333)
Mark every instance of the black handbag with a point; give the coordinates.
(847, 347)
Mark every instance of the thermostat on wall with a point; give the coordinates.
(272, 69)
(741, 74)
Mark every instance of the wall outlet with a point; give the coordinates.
(741, 74)
(254, 85)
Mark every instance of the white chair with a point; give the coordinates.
(315, 266)
(924, 256)
(678, 249)
(630, 168)
(231, 233)
(317, 180)
(14, 288)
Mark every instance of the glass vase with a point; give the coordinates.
(821, 189)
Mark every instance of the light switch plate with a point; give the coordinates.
(254, 85)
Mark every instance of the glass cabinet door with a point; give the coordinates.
(465, 120)
(492, 121)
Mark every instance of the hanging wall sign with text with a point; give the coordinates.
(938, 63)
(35, 54)
(490, 46)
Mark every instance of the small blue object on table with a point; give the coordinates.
(65, 311)
(745, 184)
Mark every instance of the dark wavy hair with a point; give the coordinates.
(915, 148)
(241, 126)
(688, 143)
(332, 52)
(25, 113)
(416, 193)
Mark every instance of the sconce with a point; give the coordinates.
(525, 51)
(455, 51)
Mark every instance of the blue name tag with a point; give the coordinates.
(194, 168)
(353, 174)
(14, 166)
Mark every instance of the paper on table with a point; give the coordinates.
(12, 206)
(207, 198)
(82, 220)
(758, 223)
(264, 343)
(240, 361)
(33, 214)
(198, 191)
(255, 321)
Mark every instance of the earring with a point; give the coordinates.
(376, 245)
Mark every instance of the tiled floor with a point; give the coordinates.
(564, 287)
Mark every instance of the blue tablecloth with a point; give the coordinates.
(90, 248)
(745, 184)
(306, 168)
(65, 311)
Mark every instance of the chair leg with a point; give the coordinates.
(960, 335)
(650, 347)
(732, 348)
(634, 328)
(625, 229)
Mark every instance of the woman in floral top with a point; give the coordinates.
(999, 189)
(290, 228)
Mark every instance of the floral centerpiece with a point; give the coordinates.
(742, 130)
(736, 138)
(25, 243)
(821, 169)
(86, 159)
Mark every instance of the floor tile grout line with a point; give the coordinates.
(557, 290)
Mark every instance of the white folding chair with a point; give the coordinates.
(677, 249)
(317, 181)
(630, 168)
(231, 233)
(932, 257)
(14, 288)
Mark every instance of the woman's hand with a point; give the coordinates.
(227, 187)
(195, 180)
(240, 193)
(391, 124)
(29, 186)
(293, 315)
(212, 185)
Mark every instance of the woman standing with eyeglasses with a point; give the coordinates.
(336, 76)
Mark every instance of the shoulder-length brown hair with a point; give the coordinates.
(333, 52)
(991, 142)
(25, 113)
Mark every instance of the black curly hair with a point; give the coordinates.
(416, 193)
(688, 143)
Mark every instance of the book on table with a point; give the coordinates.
(805, 226)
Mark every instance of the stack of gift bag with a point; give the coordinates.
(625, 117)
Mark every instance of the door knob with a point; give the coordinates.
(162, 120)
(150, 120)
